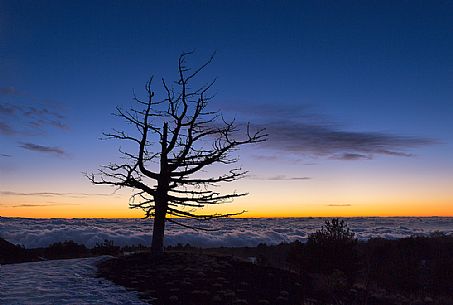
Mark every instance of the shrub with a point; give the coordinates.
(413, 265)
(66, 249)
(334, 247)
(106, 248)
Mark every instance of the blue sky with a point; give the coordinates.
(371, 81)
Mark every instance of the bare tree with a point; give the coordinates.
(168, 173)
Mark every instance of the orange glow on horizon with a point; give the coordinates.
(121, 210)
(266, 200)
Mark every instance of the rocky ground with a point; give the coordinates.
(188, 278)
(185, 279)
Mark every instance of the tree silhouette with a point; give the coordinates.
(176, 139)
(332, 247)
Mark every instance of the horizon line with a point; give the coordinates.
(263, 217)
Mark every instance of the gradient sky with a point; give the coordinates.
(357, 98)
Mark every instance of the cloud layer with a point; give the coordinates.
(43, 149)
(55, 194)
(299, 131)
(19, 120)
(231, 232)
(277, 178)
(8, 91)
(28, 120)
(336, 143)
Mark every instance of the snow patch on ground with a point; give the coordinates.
(70, 281)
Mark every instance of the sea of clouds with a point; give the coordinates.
(32, 233)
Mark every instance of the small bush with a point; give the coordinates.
(66, 249)
(329, 250)
(106, 248)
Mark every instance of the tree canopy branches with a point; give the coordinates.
(176, 138)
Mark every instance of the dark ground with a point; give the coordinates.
(188, 278)
(409, 271)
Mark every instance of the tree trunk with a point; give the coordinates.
(157, 246)
(161, 200)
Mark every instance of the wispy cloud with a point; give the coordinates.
(350, 156)
(29, 120)
(8, 91)
(339, 205)
(277, 178)
(45, 194)
(297, 131)
(265, 157)
(31, 205)
(33, 111)
(6, 129)
(332, 141)
(43, 149)
(5, 155)
(6, 109)
(55, 194)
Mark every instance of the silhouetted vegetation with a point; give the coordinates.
(66, 249)
(329, 251)
(333, 267)
(417, 265)
(106, 248)
(10, 253)
(414, 268)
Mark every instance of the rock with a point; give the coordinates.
(217, 299)
(150, 292)
(226, 265)
(173, 298)
(205, 293)
(282, 299)
(217, 286)
(284, 293)
(229, 294)
(201, 293)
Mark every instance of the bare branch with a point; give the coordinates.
(175, 139)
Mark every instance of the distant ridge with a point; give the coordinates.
(10, 253)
